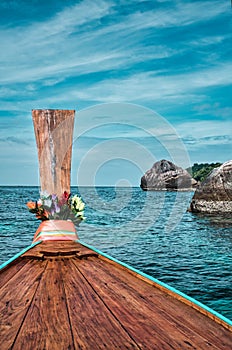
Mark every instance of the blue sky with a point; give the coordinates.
(148, 79)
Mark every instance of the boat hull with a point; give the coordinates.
(64, 295)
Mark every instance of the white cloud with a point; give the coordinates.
(179, 13)
(60, 47)
(149, 86)
(209, 40)
(45, 48)
(205, 129)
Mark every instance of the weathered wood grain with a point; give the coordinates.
(53, 246)
(10, 270)
(15, 298)
(180, 305)
(62, 249)
(46, 325)
(93, 325)
(54, 132)
(149, 315)
(145, 328)
(176, 296)
(73, 299)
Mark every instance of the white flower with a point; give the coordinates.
(76, 204)
(44, 194)
(79, 214)
(47, 203)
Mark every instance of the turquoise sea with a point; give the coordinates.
(151, 231)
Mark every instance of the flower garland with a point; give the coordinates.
(50, 207)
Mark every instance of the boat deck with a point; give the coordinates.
(62, 295)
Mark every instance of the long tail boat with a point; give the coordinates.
(60, 293)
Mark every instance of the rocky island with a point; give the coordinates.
(214, 194)
(166, 176)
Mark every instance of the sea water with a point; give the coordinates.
(151, 231)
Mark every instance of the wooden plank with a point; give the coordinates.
(53, 246)
(15, 298)
(175, 295)
(188, 302)
(106, 308)
(185, 317)
(46, 325)
(93, 325)
(184, 311)
(54, 132)
(10, 270)
(49, 249)
(148, 317)
(140, 324)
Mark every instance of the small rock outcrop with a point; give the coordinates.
(214, 194)
(165, 175)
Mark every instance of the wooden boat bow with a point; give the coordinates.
(64, 295)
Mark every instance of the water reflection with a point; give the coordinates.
(222, 220)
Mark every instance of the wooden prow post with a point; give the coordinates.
(54, 134)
